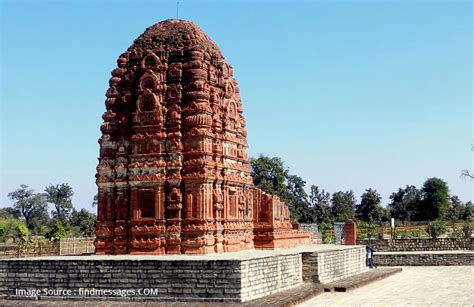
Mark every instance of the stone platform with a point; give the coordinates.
(229, 277)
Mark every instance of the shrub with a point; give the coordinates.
(418, 233)
(456, 232)
(397, 234)
(323, 229)
(361, 235)
(62, 230)
(436, 229)
(372, 231)
(467, 230)
(23, 233)
(9, 229)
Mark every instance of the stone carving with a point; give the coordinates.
(173, 173)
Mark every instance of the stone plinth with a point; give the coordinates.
(239, 277)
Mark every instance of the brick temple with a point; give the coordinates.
(173, 174)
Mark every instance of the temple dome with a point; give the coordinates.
(175, 35)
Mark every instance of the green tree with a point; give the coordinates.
(436, 228)
(269, 174)
(405, 203)
(9, 229)
(28, 203)
(273, 177)
(468, 211)
(456, 209)
(40, 221)
(343, 205)
(9, 213)
(85, 221)
(320, 202)
(369, 209)
(298, 199)
(62, 230)
(60, 197)
(435, 200)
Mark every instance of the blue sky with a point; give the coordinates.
(350, 94)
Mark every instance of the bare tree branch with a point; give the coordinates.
(466, 174)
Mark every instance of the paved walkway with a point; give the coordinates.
(414, 286)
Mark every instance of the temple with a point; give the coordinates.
(173, 173)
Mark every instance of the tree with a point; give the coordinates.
(456, 209)
(298, 199)
(320, 202)
(28, 203)
(468, 211)
(465, 173)
(60, 197)
(269, 174)
(85, 221)
(9, 229)
(405, 203)
(435, 200)
(40, 221)
(62, 230)
(343, 205)
(273, 177)
(9, 212)
(369, 209)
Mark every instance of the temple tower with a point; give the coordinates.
(173, 173)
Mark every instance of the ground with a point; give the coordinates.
(414, 286)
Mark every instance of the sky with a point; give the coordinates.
(350, 94)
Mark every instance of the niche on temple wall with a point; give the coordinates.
(150, 61)
(148, 81)
(147, 102)
(146, 203)
(233, 199)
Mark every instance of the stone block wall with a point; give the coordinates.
(265, 276)
(181, 279)
(331, 265)
(424, 259)
(399, 245)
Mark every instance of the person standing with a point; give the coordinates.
(370, 257)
